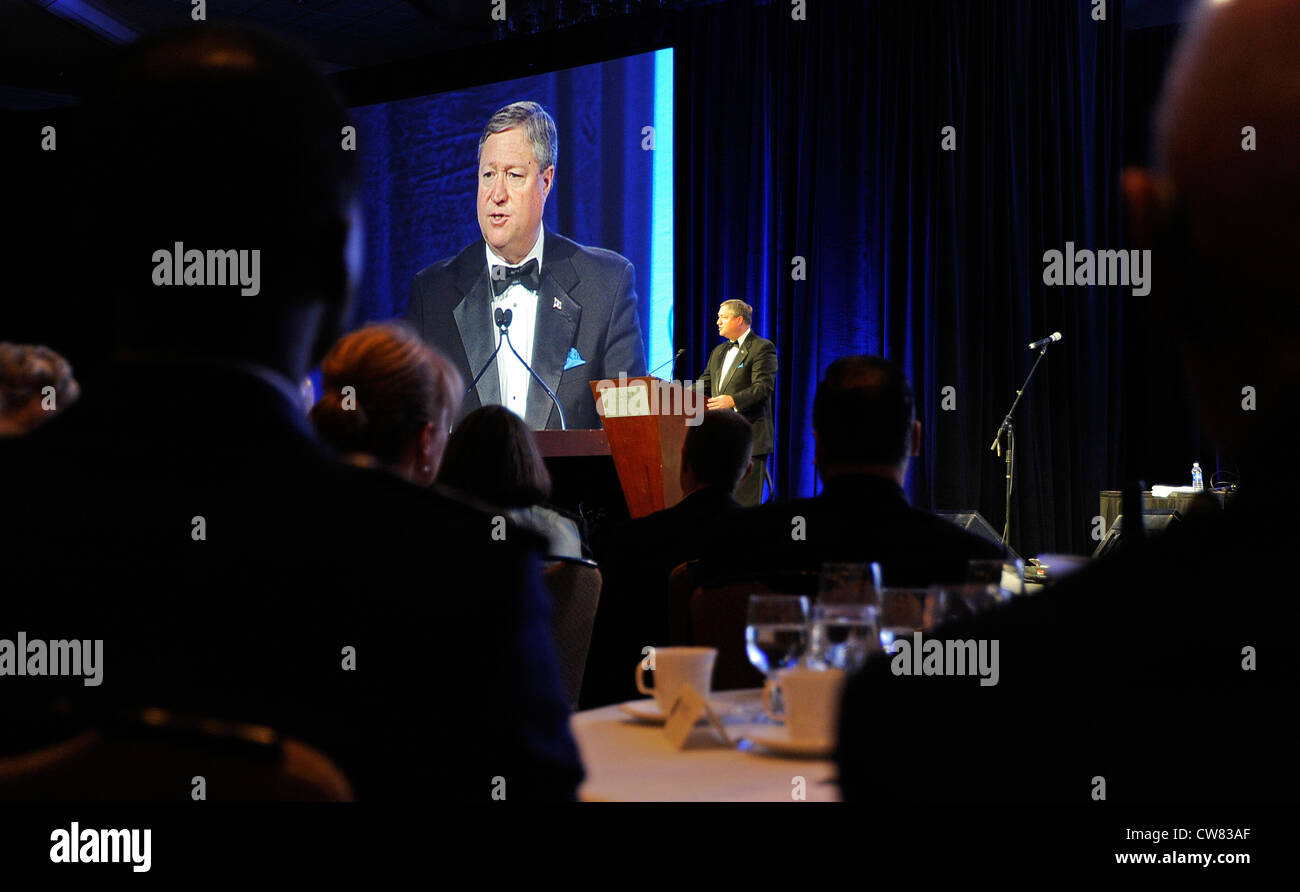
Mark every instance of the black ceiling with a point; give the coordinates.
(50, 48)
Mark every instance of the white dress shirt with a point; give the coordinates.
(730, 358)
(522, 303)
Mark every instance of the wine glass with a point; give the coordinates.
(850, 586)
(843, 635)
(776, 631)
(982, 591)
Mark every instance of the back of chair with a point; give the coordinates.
(682, 584)
(718, 618)
(158, 760)
(574, 584)
(716, 599)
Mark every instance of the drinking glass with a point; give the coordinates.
(776, 631)
(843, 636)
(982, 591)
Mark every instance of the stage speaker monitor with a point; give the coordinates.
(1155, 520)
(974, 522)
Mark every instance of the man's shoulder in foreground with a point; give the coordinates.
(1136, 670)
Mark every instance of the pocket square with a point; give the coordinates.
(574, 359)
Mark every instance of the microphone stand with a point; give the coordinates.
(1010, 433)
(505, 333)
(676, 356)
(502, 322)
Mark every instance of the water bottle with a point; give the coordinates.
(1198, 481)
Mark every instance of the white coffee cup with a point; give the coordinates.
(674, 667)
(811, 701)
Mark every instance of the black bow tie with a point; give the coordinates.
(527, 275)
(734, 343)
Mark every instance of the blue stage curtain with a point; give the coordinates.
(419, 166)
(821, 139)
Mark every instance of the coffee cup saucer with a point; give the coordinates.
(647, 710)
(778, 739)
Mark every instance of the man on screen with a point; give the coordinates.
(572, 308)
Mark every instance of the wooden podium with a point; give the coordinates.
(645, 425)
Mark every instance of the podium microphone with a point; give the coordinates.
(502, 318)
(676, 356)
(1043, 342)
(503, 322)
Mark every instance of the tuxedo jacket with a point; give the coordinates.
(586, 328)
(750, 382)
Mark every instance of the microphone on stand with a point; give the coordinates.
(502, 318)
(503, 322)
(676, 356)
(1007, 432)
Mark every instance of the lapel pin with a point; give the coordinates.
(557, 305)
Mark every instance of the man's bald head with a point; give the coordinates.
(1223, 221)
(224, 131)
(1238, 67)
(221, 139)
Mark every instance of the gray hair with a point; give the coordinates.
(741, 309)
(538, 126)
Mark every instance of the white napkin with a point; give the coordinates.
(1161, 491)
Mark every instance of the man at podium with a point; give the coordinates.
(741, 376)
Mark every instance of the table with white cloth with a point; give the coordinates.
(630, 760)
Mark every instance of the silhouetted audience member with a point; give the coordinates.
(865, 430)
(184, 512)
(1167, 673)
(492, 456)
(637, 557)
(35, 384)
(387, 400)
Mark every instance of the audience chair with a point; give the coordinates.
(154, 756)
(707, 605)
(574, 584)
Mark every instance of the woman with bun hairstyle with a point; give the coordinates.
(387, 401)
